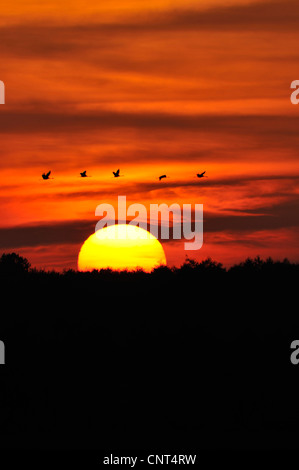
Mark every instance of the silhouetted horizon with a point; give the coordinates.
(13, 263)
(196, 356)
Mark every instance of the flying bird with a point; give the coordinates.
(46, 176)
(161, 177)
(83, 174)
(200, 175)
(116, 173)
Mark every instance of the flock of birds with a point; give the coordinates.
(46, 176)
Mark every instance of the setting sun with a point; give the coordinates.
(121, 247)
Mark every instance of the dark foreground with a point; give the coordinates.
(197, 358)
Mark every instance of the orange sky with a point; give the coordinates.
(150, 87)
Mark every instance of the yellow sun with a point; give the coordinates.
(121, 247)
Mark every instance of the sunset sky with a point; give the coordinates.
(150, 87)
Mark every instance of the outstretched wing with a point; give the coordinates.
(48, 174)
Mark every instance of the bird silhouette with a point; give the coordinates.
(83, 174)
(200, 175)
(46, 176)
(161, 177)
(116, 173)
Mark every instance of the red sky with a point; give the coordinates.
(150, 87)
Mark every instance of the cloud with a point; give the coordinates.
(55, 233)
(262, 127)
(226, 182)
(270, 15)
(110, 44)
(282, 215)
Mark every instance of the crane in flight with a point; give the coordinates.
(83, 174)
(200, 175)
(161, 177)
(116, 173)
(46, 176)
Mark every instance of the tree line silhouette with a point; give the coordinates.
(191, 357)
(12, 264)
